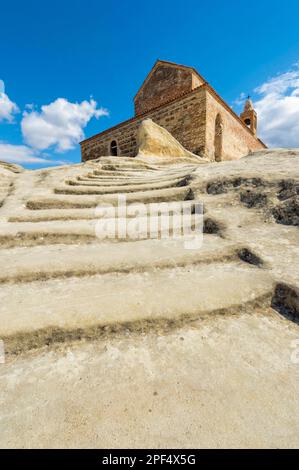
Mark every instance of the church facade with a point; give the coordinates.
(179, 99)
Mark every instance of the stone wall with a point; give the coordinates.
(164, 84)
(237, 139)
(191, 120)
(184, 118)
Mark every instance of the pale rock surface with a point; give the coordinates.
(155, 141)
(132, 342)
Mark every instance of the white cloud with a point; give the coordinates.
(7, 107)
(22, 154)
(59, 124)
(240, 100)
(278, 109)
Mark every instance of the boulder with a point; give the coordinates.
(155, 141)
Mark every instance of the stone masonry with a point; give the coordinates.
(177, 98)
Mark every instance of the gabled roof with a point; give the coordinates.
(172, 64)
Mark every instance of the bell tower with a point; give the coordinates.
(249, 116)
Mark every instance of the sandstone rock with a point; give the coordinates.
(139, 342)
(11, 167)
(155, 141)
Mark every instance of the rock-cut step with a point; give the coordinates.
(24, 264)
(141, 179)
(115, 186)
(99, 229)
(129, 188)
(44, 215)
(87, 201)
(34, 314)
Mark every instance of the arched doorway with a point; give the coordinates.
(113, 148)
(218, 139)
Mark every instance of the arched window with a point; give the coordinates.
(113, 148)
(218, 139)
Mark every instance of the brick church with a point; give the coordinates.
(179, 99)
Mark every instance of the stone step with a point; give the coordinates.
(93, 230)
(154, 172)
(138, 177)
(83, 201)
(142, 167)
(45, 215)
(92, 188)
(123, 174)
(125, 181)
(60, 261)
(132, 168)
(38, 313)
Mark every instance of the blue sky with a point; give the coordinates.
(71, 68)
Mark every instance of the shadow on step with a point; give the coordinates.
(249, 257)
(212, 226)
(286, 301)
